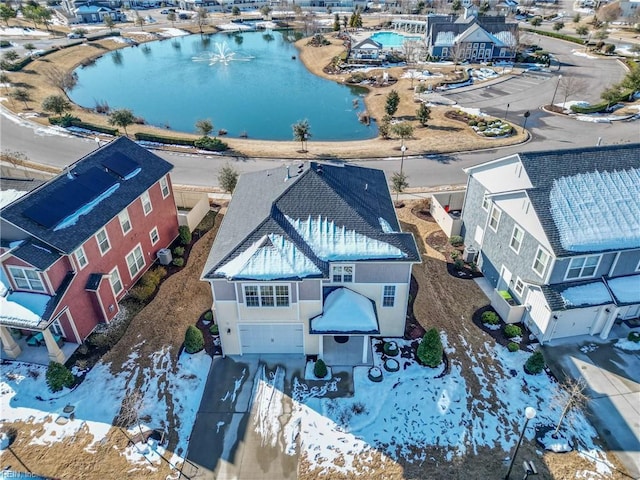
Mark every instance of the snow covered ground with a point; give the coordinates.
(96, 401)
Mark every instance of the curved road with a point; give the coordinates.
(522, 94)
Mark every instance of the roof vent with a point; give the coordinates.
(288, 174)
(319, 169)
(366, 186)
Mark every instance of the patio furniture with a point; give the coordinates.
(35, 340)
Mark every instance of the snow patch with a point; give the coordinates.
(590, 294)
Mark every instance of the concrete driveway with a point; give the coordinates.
(612, 376)
(239, 401)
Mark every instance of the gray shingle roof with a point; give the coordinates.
(37, 254)
(546, 166)
(351, 196)
(67, 239)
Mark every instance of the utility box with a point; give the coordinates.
(164, 256)
(469, 255)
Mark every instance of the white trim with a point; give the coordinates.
(583, 277)
(515, 287)
(30, 288)
(535, 258)
(274, 296)
(124, 217)
(77, 259)
(154, 229)
(342, 266)
(143, 196)
(166, 185)
(485, 200)
(614, 264)
(383, 296)
(115, 294)
(495, 209)
(73, 325)
(513, 233)
(637, 268)
(106, 235)
(139, 268)
(57, 324)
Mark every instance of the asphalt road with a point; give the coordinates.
(521, 94)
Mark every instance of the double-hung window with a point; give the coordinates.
(342, 273)
(135, 261)
(519, 287)
(114, 279)
(540, 262)
(103, 241)
(164, 186)
(27, 279)
(81, 258)
(154, 235)
(516, 239)
(146, 203)
(485, 202)
(583, 267)
(494, 220)
(388, 295)
(266, 295)
(125, 221)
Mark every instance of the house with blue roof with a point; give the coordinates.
(310, 259)
(72, 247)
(557, 235)
(471, 37)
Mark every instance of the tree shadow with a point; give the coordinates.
(445, 128)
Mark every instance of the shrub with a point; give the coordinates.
(211, 144)
(185, 235)
(214, 329)
(458, 264)
(58, 377)
(320, 369)
(142, 291)
(391, 365)
(95, 128)
(430, 350)
(208, 316)
(178, 251)
(634, 337)
(149, 137)
(455, 254)
(178, 262)
(513, 347)
(193, 340)
(375, 374)
(512, 331)
(535, 363)
(456, 240)
(390, 348)
(490, 318)
(154, 276)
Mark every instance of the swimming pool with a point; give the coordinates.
(392, 39)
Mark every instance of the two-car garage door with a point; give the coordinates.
(271, 338)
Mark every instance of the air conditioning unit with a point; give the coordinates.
(164, 256)
(469, 254)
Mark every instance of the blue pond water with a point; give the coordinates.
(251, 83)
(392, 39)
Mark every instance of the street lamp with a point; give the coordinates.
(403, 149)
(506, 112)
(556, 90)
(524, 125)
(529, 414)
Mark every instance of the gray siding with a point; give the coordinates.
(239, 293)
(472, 213)
(562, 265)
(293, 293)
(223, 290)
(627, 263)
(310, 290)
(382, 272)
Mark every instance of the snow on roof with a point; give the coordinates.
(4, 283)
(589, 294)
(386, 228)
(23, 308)
(444, 39)
(85, 209)
(626, 289)
(506, 37)
(8, 196)
(597, 211)
(269, 258)
(332, 242)
(346, 311)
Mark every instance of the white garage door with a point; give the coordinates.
(271, 338)
(576, 322)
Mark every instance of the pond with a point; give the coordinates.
(250, 84)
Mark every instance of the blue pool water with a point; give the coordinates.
(251, 83)
(392, 39)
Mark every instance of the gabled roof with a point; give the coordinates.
(315, 213)
(36, 253)
(587, 199)
(67, 210)
(476, 34)
(368, 44)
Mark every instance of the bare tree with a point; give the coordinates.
(130, 409)
(456, 52)
(571, 398)
(61, 79)
(571, 85)
(202, 17)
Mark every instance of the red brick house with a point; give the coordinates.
(71, 248)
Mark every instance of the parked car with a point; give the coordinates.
(75, 35)
(184, 16)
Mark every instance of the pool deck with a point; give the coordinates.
(361, 35)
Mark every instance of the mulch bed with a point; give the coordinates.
(498, 334)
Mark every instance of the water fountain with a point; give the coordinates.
(221, 54)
